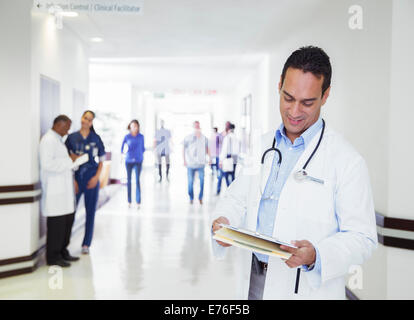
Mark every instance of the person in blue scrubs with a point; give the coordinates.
(134, 157)
(87, 176)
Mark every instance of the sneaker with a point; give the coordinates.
(201, 201)
(138, 206)
(85, 250)
(129, 205)
(191, 201)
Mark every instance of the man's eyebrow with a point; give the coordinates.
(309, 99)
(290, 96)
(303, 100)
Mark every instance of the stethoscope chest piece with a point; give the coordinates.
(302, 175)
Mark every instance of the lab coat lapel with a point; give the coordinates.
(286, 218)
(259, 183)
(307, 153)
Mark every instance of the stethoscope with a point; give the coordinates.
(300, 175)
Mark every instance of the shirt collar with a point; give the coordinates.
(305, 138)
(57, 135)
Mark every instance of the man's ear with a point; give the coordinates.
(326, 95)
(280, 83)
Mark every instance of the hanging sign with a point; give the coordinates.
(91, 6)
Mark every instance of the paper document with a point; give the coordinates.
(80, 161)
(253, 241)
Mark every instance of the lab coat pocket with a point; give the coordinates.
(315, 210)
(56, 185)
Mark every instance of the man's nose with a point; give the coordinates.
(295, 110)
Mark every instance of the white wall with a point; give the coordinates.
(400, 281)
(60, 55)
(15, 127)
(31, 46)
(358, 106)
(15, 98)
(257, 84)
(400, 154)
(370, 104)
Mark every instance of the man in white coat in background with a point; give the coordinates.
(58, 192)
(316, 195)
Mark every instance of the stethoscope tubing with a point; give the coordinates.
(273, 148)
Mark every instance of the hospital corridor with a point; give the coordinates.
(161, 251)
(211, 155)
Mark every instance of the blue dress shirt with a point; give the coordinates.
(277, 178)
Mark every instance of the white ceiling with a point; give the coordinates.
(193, 27)
(188, 44)
(188, 73)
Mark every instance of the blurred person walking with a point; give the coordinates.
(162, 149)
(221, 174)
(134, 140)
(195, 152)
(229, 155)
(215, 147)
(86, 140)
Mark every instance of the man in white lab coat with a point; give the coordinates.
(328, 215)
(58, 192)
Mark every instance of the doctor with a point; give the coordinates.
(326, 211)
(86, 140)
(58, 192)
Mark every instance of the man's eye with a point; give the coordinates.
(288, 99)
(308, 104)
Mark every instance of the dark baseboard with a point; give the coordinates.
(38, 254)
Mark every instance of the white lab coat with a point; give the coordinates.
(56, 176)
(338, 217)
(231, 145)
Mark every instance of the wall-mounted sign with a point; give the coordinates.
(92, 6)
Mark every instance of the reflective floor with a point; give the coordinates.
(161, 251)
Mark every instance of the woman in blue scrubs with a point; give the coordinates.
(87, 176)
(134, 157)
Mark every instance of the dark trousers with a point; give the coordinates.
(230, 176)
(215, 166)
(136, 166)
(257, 280)
(59, 230)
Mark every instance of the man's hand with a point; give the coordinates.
(73, 156)
(216, 226)
(92, 182)
(304, 254)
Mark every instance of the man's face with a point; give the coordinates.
(300, 101)
(62, 128)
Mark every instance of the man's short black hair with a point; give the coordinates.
(310, 59)
(61, 118)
